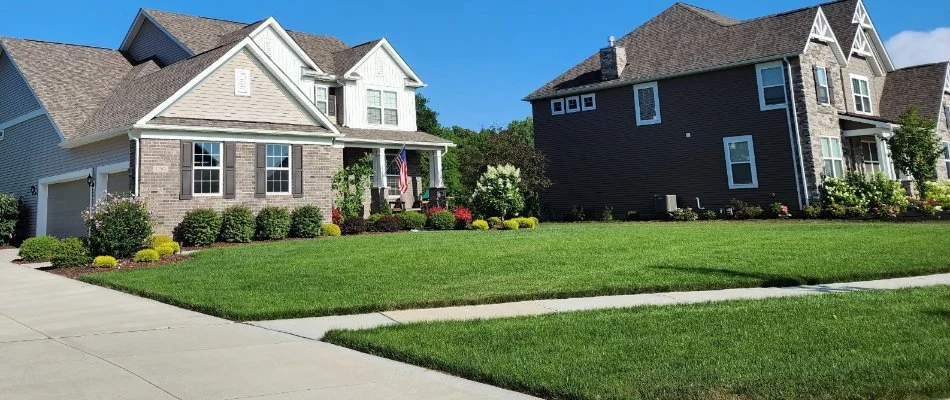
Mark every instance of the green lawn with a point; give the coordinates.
(397, 271)
(870, 345)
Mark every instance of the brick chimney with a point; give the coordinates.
(613, 59)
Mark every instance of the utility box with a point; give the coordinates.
(665, 204)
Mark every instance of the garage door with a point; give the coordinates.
(118, 183)
(64, 206)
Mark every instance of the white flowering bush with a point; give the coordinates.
(496, 193)
(118, 225)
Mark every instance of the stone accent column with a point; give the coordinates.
(436, 185)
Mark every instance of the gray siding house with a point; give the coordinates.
(197, 112)
(708, 108)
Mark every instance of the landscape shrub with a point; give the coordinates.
(710, 215)
(9, 217)
(388, 223)
(273, 223)
(743, 210)
(684, 214)
(442, 220)
(926, 208)
(412, 220)
(511, 225)
(371, 222)
(71, 252)
(158, 239)
(780, 211)
(527, 223)
(386, 209)
(330, 230)
(535, 221)
(118, 225)
(176, 249)
(105, 262)
(607, 215)
(835, 211)
(146, 256)
(305, 221)
(463, 217)
(495, 222)
(812, 211)
(353, 226)
(40, 248)
(238, 224)
(577, 214)
(200, 227)
(164, 250)
(497, 193)
(857, 193)
(480, 224)
(336, 216)
(940, 192)
(433, 210)
(633, 215)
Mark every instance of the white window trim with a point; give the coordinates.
(326, 98)
(656, 103)
(289, 169)
(826, 86)
(755, 175)
(567, 104)
(238, 74)
(593, 99)
(555, 101)
(382, 107)
(873, 143)
(219, 168)
(946, 117)
(832, 158)
(855, 94)
(946, 147)
(758, 79)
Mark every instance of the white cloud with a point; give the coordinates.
(913, 48)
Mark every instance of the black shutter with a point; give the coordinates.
(260, 171)
(230, 153)
(331, 105)
(296, 173)
(186, 170)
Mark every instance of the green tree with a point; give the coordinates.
(427, 120)
(350, 184)
(498, 147)
(522, 128)
(915, 148)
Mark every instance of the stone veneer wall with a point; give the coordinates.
(159, 180)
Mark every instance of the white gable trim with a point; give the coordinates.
(137, 25)
(271, 22)
(383, 43)
(946, 84)
(863, 47)
(821, 31)
(863, 19)
(288, 85)
(5, 53)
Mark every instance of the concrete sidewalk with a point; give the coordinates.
(63, 339)
(316, 328)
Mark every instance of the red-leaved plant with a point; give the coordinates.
(433, 210)
(463, 217)
(337, 216)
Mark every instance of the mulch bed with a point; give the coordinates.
(124, 264)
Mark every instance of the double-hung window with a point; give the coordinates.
(278, 169)
(946, 113)
(321, 98)
(946, 157)
(861, 88)
(822, 88)
(771, 80)
(646, 98)
(382, 107)
(872, 159)
(206, 164)
(740, 162)
(831, 153)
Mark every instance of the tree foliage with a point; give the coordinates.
(915, 148)
(350, 184)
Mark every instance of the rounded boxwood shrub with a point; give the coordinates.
(200, 227)
(164, 250)
(118, 225)
(527, 223)
(305, 221)
(146, 256)
(511, 225)
(330, 230)
(442, 220)
(40, 248)
(480, 224)
(495, 222)
(105, 262)
(71, 252)
(158, 239)
(412, 220)
(353, 226)
(237, 224)
(273, 223)
(388, 223)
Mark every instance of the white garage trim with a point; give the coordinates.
(102, 177)
(43, 194)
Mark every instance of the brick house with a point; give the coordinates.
(709, 108)
(197, 112)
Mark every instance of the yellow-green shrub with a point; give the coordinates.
(480, 224)
(164, 250)
(176, 248)
(146, 256)
(527, 223)
(158, 240)
(330, 230)
(105, 262)
(512, 225)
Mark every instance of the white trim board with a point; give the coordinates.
(102, 176)
(42, 198)
(271, 22)
(231, 137)
(23, 118)
(384, 43)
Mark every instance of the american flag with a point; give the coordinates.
(403, 171)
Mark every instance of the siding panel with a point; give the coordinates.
(16, 98)
(152, 42)
(392, 79)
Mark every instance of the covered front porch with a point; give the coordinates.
(422, 191)
(863, 148)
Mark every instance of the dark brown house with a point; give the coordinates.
(708, 108)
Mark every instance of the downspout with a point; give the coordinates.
(796, 142)
(136, 161)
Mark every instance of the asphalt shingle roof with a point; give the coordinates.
(197, 33)
(920, 86)
(347, 58)
(320, 48)
(376, 134)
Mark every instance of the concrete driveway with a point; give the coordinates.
(64, 339)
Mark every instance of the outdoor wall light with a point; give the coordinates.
(91, 181)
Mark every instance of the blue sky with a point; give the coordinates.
(478, 58)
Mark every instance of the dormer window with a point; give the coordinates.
(382, 107)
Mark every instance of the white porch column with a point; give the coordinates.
(379, 168)
(884, 153)
(435, 169)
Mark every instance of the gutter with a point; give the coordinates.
(109, 134)
(398, 142)
(138, 152)
(797, 141)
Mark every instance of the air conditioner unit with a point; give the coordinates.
(665, 204)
